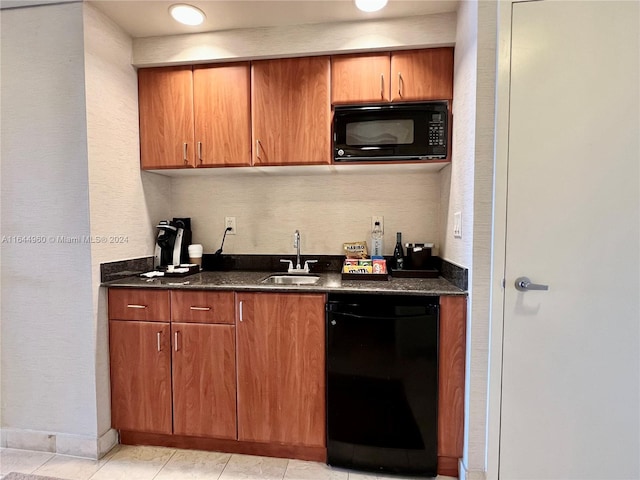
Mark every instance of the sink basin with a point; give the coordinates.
(291, 279)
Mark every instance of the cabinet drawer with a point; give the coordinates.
(139, 304)
(202, 307)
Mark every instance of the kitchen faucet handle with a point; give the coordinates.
(289, 262)
(306, 264)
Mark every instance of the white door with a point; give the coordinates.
(571, 364)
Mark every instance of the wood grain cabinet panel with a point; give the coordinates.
(360, 78)
(140, 376)
(222, 115)
(281, 368)
(204, 380)
(165, 100)
(201, 306)
(422, 75)
(451, 365)
(144, 304)
(291, 111)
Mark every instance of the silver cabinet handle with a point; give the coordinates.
(240, 305)
(200, 151)
(200, 309)
(382, 85)
(258, 146)
(158, 336)
(523, 284)
(175, 341)
(132, 305)
(184, 153)
(399, 84)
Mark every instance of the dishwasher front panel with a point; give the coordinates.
(382, 383)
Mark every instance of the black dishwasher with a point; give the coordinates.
(382, 383)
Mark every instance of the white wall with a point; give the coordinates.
(478, 334)
(470, 177)
(328, 209)
(48, 358)
(125, 203)
(296, 40)
(70, 165)
(457, 179)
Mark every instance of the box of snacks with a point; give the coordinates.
(358, 265)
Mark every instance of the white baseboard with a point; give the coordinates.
(465, 474)
(62, 443)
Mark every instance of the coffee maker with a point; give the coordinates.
(172, 242)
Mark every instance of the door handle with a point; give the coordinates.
(523, 284)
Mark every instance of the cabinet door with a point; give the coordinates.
(281, 368)
(360, 78)
(140, 376)
(204, 380)
(222, 115)
(422, 75)
(165, 98)
(291, 111)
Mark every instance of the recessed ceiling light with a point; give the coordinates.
(370, 5)
(186, 14)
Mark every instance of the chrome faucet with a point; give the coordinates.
(296, 245)
(298, 268)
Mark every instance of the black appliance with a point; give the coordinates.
(407, 131)
(382, 383)
(172, 242)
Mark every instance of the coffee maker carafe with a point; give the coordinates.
(172, 242)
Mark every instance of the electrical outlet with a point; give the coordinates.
(457, 225)
(230, 222)
(377, 219)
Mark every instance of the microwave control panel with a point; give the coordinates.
(437, 131)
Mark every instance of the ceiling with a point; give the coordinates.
(150, 18)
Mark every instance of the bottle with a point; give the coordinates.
(376, 240)
(398, 253)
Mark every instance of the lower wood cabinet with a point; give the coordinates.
(281, 368)
(140, 376)
(173, 378)
(204, 380)
(245, 372)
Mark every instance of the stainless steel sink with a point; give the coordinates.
(291, 279)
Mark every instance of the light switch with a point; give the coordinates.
(457, 225)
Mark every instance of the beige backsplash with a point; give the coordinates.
(328, 209)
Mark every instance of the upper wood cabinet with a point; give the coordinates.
(281, 368)
(222, 115)
(412, 75)
(422, 75)
(165, 99)
(291, 111)
(360, 78)
(194, 116)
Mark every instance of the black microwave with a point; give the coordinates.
(407, 131)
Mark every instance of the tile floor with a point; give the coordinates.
(157, 463)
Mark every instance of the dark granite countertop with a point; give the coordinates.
(328, 283)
